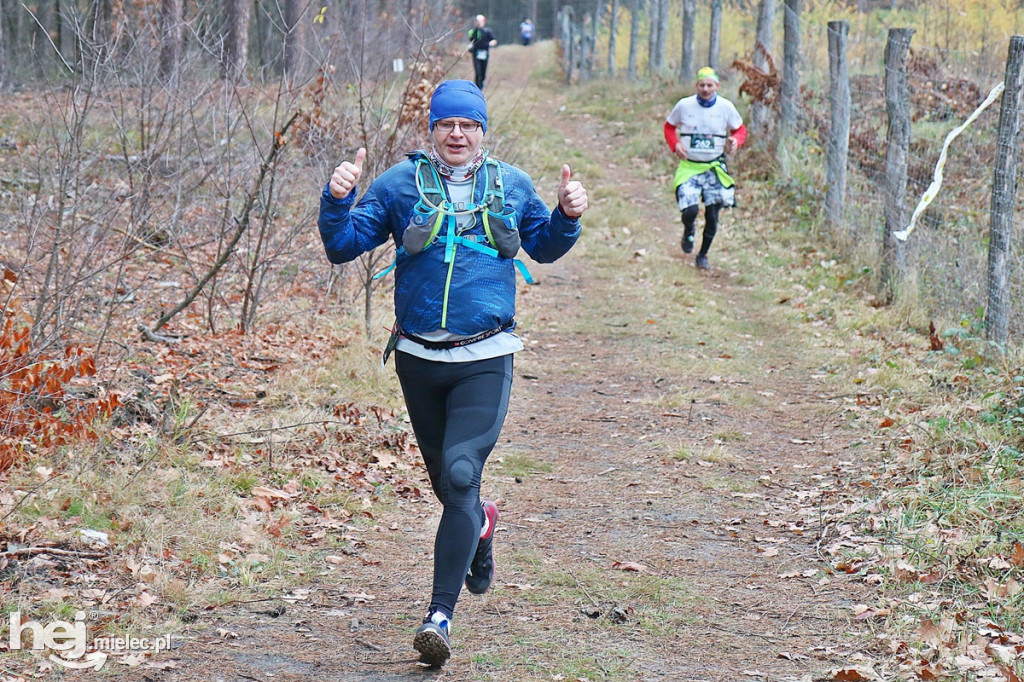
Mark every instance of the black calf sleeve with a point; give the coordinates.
(710, 227)
(689, 215)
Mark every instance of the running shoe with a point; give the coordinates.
(702, 262)
(481, 571)
(687, 242)
(432, 639)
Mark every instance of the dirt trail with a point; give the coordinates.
(730, 586)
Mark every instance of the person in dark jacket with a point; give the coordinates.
(481, 40)
(457, 218)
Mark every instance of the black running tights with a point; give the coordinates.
(710, 223)
(480, 68)
(457, 410)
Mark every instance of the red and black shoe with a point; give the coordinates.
(481, 571)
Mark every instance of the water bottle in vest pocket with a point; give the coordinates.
(502, 231)
(422, 229)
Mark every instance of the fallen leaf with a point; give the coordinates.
(629, 566)
(146, 599)
(854, 674)
(967, 663)
(1008, 673)
(132, 660)
(359, 597)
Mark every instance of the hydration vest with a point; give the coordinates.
(434, 218)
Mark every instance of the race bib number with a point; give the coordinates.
(481, 54)
(702, 142)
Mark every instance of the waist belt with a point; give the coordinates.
(458, 343)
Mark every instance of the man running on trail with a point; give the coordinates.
(526, 32)
(481, 40)
(700, 130)
(458, 218)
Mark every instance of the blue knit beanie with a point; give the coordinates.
(460, 99)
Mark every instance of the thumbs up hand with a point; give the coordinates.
(572, 197)
(347, 175)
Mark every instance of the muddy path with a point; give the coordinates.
(658, 506)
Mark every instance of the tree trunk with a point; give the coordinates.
(839, 131)
(58, 27)
(997, 315)
(170, 39)
(897, 104)
(236, 40)
(99, 24)
(612, 31)
(663, 32)
(760, 112)
(3, 55)
(654, 14)
(715, 39)
(294, 40)
(634, 37)
(789, 94)
(686, 70)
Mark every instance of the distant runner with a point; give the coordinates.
(700, 130)
(481, 40)
(526, 31)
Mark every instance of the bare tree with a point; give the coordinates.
(171, 29)
(656, 43)
(760, 111)
(236, 40)
(652, 35)
(3, 54)
(636, 7)
(686, 69)
(613, 21)
(997, 315)
(715, 39)
(295, 49)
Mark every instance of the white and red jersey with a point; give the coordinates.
(703, 130)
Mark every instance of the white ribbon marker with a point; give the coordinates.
(933, 189)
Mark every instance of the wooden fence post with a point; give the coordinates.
(997, 315)
(839, 131)
(789, 90)
(565, 16)
(897, 104)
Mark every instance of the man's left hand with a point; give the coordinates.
(730, 145)
(572, 196)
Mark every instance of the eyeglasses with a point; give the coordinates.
(464, 126)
